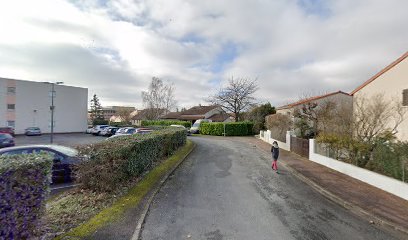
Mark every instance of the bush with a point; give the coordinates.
(145, 123)
(99, 121)
(387, 158)
(24, 186)
(115, 161)
(231, 128)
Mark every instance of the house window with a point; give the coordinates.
(405, 97)
(11, 107)
(11, 124)
(11, 90)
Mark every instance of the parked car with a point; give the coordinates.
(65, 159)
(182, 127)
(98, 128)
(8, 130)
(121, 130)
(196, 126)
(6, 140)
(143, 131)
(89, 130)
(32, 131)
(108, 131)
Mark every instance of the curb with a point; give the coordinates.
(141, 221)
(352, 207)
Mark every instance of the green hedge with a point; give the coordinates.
(114, 161)
(231, 128)
(24, 186)
(186, 124)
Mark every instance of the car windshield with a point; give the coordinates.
(65, 150)
(33, 128)
(196, 124)
(4, 136)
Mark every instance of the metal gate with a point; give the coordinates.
(299, 146)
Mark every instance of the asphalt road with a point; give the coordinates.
(226, 190)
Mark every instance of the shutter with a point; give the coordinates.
(405, 97)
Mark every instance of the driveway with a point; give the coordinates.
(226, 190)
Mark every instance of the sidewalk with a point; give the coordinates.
(365, 200)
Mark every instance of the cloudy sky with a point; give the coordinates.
(114, 48)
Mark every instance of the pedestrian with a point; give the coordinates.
(275, 155)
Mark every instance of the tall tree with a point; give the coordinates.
(159, 99)
(96, 113)
(257, 115)
(236, 97)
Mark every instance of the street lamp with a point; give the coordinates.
(52, 107)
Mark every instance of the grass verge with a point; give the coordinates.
(131, 199)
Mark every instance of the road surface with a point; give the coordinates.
(226, 190)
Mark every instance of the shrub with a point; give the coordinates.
(24, 186)
(115, 161)
(186, 124)
(231, 128)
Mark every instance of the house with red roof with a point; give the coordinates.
(338, 97)
(392, 83)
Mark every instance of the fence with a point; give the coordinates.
(299, 146)
(385, 183)
(267, 137)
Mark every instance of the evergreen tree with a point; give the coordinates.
(96, 113)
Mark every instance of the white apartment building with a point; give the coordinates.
(28, 104)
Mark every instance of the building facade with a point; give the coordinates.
(392, 83)
(26, 104)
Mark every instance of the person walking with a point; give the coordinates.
(275, 155)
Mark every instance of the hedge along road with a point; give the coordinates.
(226, 190)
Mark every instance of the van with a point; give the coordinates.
(196, 126)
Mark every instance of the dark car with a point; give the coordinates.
(32, 131)
(65, 159)
(8, 130)
(6, 140)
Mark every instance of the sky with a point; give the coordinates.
(293, 48)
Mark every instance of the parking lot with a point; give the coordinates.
(65, 139)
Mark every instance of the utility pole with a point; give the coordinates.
(52, 107)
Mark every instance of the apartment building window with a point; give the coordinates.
(11, 107)
(405, 97)
(11, 124)
(11, 90)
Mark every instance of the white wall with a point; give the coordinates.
(385, 183)
(391, 84)
(33, 103)
(266, 136)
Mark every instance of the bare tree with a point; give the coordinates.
(278, 124)
(159, 99)
(376, 117)
(124, 114)
(236, 97)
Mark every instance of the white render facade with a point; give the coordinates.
(392, 83)
(27, 104)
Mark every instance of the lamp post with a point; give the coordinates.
(52, 107)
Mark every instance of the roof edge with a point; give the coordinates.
(384, 70)
(302, 101)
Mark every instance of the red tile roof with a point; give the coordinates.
(198, 110)
(172, 115)
(306, 100)
(400, 59)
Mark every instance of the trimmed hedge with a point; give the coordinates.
(145, 123)
(114, 161)
(231, 128)
(24, 186)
